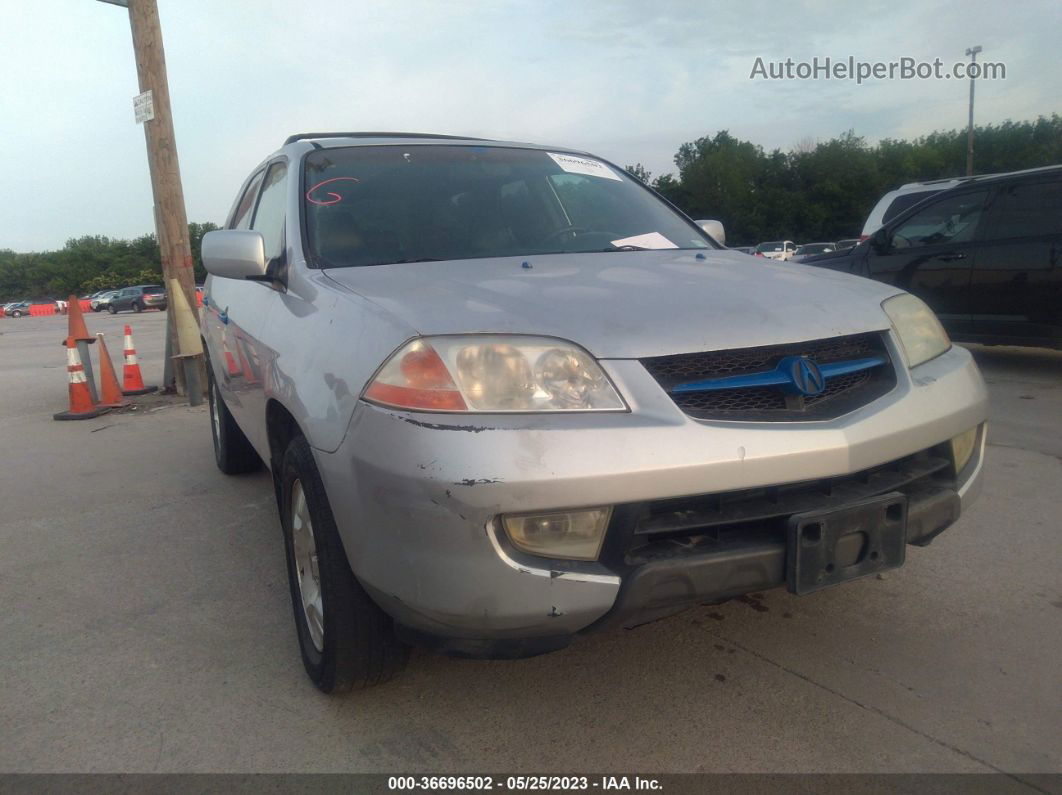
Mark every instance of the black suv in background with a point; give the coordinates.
(145, 296)
(985, 255)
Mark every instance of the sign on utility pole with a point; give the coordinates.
(152, 109)
(143, 107)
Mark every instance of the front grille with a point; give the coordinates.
(842, 394)
(729, 520)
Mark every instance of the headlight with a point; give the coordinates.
(493, 373)
(920, 333)
(569, 534)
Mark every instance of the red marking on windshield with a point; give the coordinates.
(335, 197)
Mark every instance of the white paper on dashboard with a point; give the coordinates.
(583, 165)
(649, 240)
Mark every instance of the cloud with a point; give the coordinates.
(628, 80)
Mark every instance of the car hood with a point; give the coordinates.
(626, 304)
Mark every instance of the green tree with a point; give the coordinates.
(90, 263)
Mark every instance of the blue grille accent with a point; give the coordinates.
(779, 376)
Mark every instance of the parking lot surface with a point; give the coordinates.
(147, 624)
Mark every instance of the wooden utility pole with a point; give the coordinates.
(171, 220)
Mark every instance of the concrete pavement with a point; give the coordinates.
(147, 624)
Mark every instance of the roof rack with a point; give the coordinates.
(303, 136)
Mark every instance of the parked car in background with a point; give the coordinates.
(744, 249)
(896, 201)
(847, 243)
(100, 300)
(144, 296)
(811, 249)
(509, 397)
(778, 249)
(986, 255)
(23, 308)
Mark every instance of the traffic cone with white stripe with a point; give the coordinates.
(132, 381)
(81, 405)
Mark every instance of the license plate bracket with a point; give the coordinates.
(828, 547)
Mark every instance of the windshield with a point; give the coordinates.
(762, 247)
(372, 205)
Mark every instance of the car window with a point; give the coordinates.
(1030, 209)
(904, 201)
(269, 215)
(952, 219)
(370, 205)
(241, 219)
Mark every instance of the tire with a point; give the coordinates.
(17, 313)
(97, 308)
(233, 454)
(137, 307)
(356, 646)
(112, 309)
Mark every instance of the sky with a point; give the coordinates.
(630, 80)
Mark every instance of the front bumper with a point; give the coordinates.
(416, 499)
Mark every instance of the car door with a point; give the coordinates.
(242, 307)
(929, 251)
(124, 299)
(1016, 286)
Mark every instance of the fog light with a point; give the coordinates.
(962, 447)
(576, 535)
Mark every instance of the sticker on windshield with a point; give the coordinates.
(583, 165)
(649, 240)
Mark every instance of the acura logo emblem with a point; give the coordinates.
(805, 375)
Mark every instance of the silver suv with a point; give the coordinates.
(509, 395)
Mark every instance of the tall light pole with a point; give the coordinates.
(171, 221)
(972, 52)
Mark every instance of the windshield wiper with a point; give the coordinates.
(393, 262)
(608, 250)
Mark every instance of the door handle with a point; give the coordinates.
(952, 256)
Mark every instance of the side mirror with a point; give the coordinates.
(715, 230)
(879, 241)
(234, 253)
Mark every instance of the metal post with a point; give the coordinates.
(190, 365)
(972, 52)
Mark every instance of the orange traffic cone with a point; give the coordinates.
(249, 376)
(230, 360)
(110, 392)
(81, 405)
(76, 322)
(132, 381)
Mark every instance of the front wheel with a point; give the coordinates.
(112, 309)
(346, 640)
(233, 453)
(137, 307)
(16, 313)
